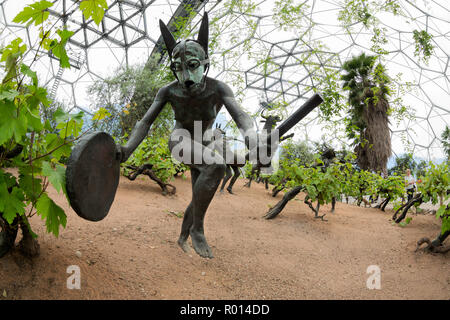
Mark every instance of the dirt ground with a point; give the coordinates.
(133, 254)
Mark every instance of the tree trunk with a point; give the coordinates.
(273, 212)
(416, 199)
(146, 169)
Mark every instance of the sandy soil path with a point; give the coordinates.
(132, 254)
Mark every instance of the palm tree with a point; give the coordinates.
(368, 124)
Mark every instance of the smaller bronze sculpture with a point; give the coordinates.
(231, 167)
(269, 123)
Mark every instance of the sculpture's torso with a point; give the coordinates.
(189, 108)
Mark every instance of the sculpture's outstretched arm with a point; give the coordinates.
(141, 128)
(242, 119)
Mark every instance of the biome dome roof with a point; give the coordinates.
(270, 50)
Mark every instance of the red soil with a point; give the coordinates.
(133, 254)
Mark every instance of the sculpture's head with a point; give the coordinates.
(189, 58)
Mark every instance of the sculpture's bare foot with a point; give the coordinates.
(184, 245)
(200, 245)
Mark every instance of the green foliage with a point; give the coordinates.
(435, 187)
(366, 83)
(355, 11)
(39, 143)
(446, 141)
(421, 169)
(406, 222)
(288, 14)
(364, 11)
(277, 177)
(94, 9)
(435, 183)
(299, 152)
(392, 187)
(367, 125)
(56, 174)
(359, 183)
(35, 12)
(123, 99)
(128, 94)
(247, 168)
(53, 214)
(11, 198)
(403, 162)
(154, 150)
(320, 184)
(333, 99)
(57, 47)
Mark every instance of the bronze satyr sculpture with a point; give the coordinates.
(194, 97)
(93, 168)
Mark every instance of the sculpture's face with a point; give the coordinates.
(189, 66)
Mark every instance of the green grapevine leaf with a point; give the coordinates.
(11, 204)
(58, 47)
(101, 114)
(55, 142)
(94, 8)
(12, 123)
(31, 186)
(56, 176)
(30, 73)
(445, 225)
(34, 120)
(13, 49)
(35, 12)
(52, 213)
(9, 94)
(60, 116)
(440, 212)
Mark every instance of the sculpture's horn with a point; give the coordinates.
(263, 116)
(169, 40)
(203, 34)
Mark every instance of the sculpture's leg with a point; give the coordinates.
(233, 180)
(204, 189)
(227, 177)
(205, 181)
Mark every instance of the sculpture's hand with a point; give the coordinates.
(263, 153)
